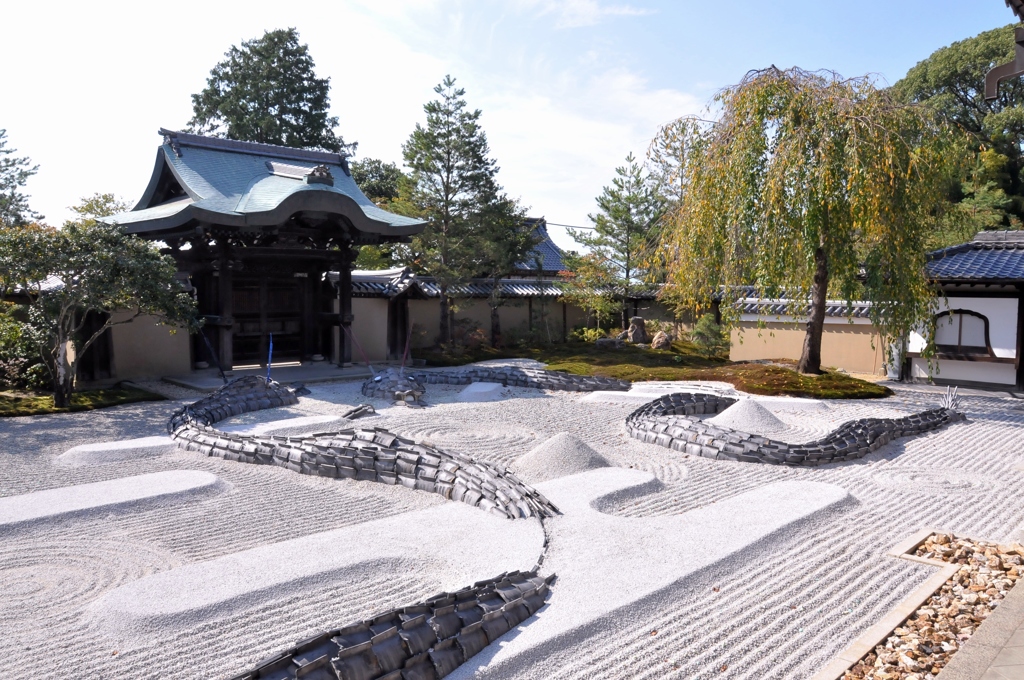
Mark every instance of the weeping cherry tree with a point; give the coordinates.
(809, 185)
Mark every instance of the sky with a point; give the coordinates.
(568, 88)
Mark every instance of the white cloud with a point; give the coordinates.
(558, 121)
(579, 13)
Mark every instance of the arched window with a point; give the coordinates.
(961, 331)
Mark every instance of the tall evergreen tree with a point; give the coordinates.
(625, 228)
(380, 181)
(952, 81)
(14, 173)
(267, 91)
(453, 183)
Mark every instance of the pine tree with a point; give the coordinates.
(626, 228)
(14, 172)
(453, 183)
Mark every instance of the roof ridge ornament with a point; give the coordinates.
(171, 138)
(321, 174)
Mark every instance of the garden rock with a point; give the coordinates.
(608, 343)
(661, 341)
(637, 331)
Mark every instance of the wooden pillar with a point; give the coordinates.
(264, 300)
(310, 327)
(225, 285)
(565, 323)
(529, 311)
(345, 305)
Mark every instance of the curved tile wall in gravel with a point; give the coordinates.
(419, 642)
(378, 456)
(671, 421)
(367, 454)
(249, 393)
(506, 375)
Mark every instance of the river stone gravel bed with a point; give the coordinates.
(781, 613)
(925, 642)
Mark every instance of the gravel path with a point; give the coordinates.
(782, 615)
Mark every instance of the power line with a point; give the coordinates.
(570, 226)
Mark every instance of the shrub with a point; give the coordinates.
(21, 366)
(711, 339)
(584, 334)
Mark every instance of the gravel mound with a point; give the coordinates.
(746, 415)
(560, 456)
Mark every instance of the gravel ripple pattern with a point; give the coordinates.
(783, 615)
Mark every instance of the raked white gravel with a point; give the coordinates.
(781, 610)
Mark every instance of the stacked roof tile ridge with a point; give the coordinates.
(374, 455)
(418, 642)
(673, 421)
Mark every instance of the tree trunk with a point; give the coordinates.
(810, 359)
(495, 328)
(64, 378)
(446, 329)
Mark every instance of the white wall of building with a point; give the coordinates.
(967, 371)
(1002, 323)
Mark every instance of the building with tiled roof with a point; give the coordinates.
(546, 259)
(979, 324)
(256, 228)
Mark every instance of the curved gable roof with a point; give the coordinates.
(232, 183)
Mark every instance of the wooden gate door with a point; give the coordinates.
(264, 306)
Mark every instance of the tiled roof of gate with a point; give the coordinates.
(996, 256)
(246, 184)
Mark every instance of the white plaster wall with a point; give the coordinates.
(973, 371)
(370, 328)
(144, 348)
(1002, 321)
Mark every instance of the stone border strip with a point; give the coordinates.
(983, 649)
(426, 640)
(113, 494)
(877, 634)
(669, 421)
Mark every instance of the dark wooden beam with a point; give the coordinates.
(224, 308)
(345, 305)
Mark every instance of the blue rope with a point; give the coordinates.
(270, 355)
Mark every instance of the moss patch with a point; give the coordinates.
(13, 404)
(681, 362)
